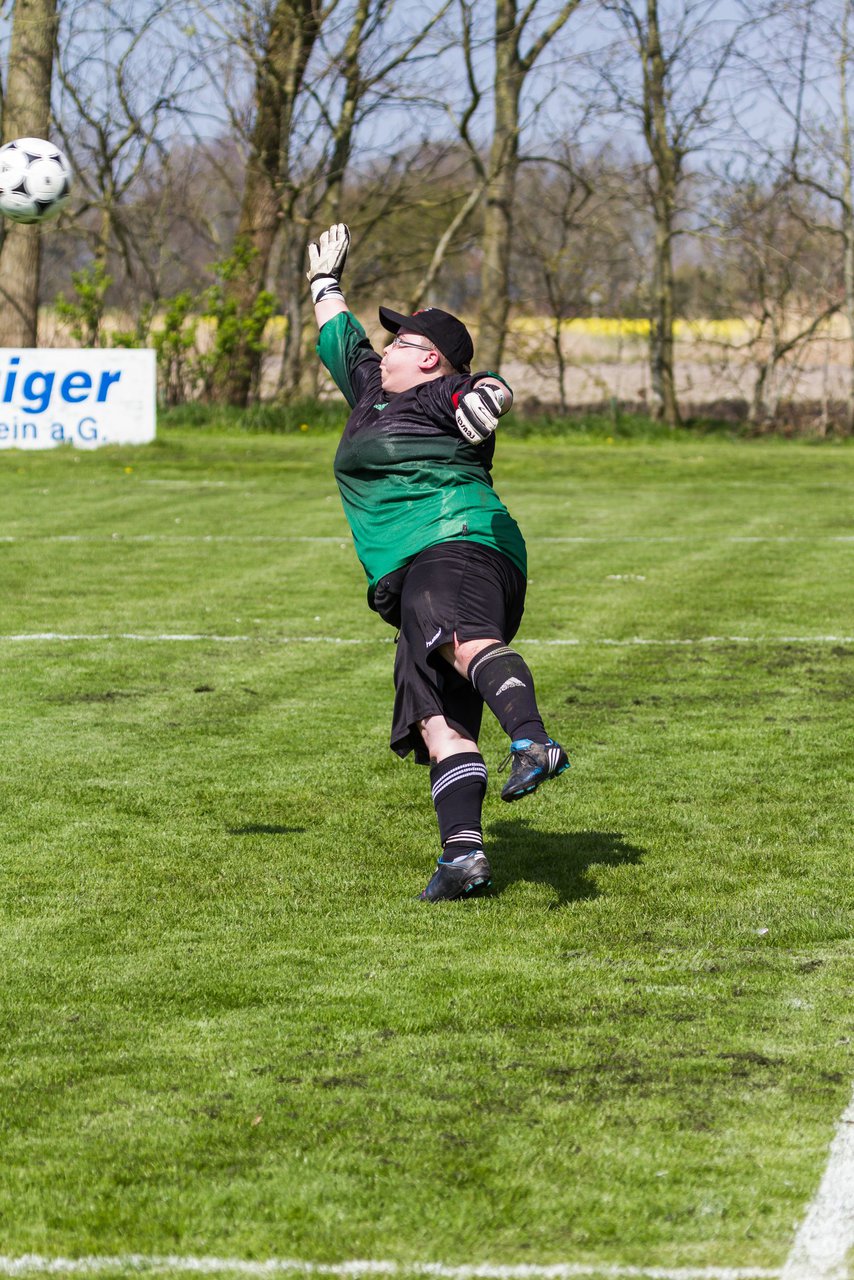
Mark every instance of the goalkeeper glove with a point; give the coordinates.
(478, 413)
(326, 259)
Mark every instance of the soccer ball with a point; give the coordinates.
(35, 180)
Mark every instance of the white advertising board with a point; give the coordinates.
(73, 396)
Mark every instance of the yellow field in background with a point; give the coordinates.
(734, 330)
(730, 330)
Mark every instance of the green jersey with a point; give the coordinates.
(407, 478)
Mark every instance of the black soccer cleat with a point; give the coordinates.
(467, 877)
(533, 764)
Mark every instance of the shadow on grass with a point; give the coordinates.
(265, 829)
(562, 859)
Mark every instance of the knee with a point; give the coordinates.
(440, 739)
(466, 651)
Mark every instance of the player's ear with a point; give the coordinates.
(430, 361)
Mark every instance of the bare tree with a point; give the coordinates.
(419, 197)
(517, 50)
(364, 70)
(846, 202)
(676, 101)
(574, 253)
(807, 72)
(550, 268)
(285, 42)
(318, 72)
(124, 84)
(26, 113)
(777, 267)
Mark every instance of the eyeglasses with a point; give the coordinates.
(401, 342)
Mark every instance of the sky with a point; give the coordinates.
(565, 89)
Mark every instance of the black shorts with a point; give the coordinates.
(455, 588)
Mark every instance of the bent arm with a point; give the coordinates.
(497, 383)
(478, 411)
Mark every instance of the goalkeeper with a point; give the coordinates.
(444, 559)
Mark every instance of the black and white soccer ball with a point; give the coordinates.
(35, 180)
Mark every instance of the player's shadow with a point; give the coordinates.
(562, 859)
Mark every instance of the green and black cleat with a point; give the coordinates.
(468, 876)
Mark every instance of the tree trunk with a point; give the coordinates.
(847, 209)
(666, 164)
(498, 207)
(290, 371)
(26, 114)
(661, 365)
(268, 195)
(560, 361)
(511, 68)
(759, 411)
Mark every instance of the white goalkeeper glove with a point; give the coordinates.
(478, 413)
(326, 259)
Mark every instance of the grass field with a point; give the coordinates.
(228, 1027)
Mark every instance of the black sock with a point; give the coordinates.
(459, 785)
(504, 681)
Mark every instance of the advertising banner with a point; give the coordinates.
(73, 396)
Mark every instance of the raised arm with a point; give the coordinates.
(326, 259)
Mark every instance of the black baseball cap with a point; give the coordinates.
(448, 334)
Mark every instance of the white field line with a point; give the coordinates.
(826, 1236)
(32, 637)
(171, 537)
(343, 538)
(135, 1264)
